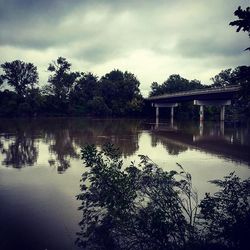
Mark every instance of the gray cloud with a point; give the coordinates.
(151, 38)
(210, 46)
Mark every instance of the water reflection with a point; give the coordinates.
(171, 146)
(22, 151)
(20, 139)
(61, 148)
(64, 138)
(228, 141)
(47, 216)
(18, 147)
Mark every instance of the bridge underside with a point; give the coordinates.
(211, 97)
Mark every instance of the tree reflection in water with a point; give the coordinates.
(62, 148)
(21, 152)
(64, 137)
(145, 207)
(21, 149)
(171, 147)
(21, 139)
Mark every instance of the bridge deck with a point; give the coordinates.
(197, 93)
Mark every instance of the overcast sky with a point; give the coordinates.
(150, 38)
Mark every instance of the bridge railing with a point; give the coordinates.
(234, 88)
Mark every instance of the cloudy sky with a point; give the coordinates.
(150, 38)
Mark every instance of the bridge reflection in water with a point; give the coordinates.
(212, 137)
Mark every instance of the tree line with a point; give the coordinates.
(67, 92)
(116, 93)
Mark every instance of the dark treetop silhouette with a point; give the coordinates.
(20, 75)
(243, 22)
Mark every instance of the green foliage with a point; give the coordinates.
(86, 88)
(83, 93)
(226, 214)
(243, 22)
(238, 76)
(121, 92)
(62, 79)
(116, 93)
(227, 77)
(20, 75)
(224, 78)
(8, 103)
(144, 207)
(175, 83)
(137, 207)
(97, 106)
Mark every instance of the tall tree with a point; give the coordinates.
(121, 92)
(243, 22)
(20, 75)
(85, 90)
(62, 79)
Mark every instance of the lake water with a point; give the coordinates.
(40, 167)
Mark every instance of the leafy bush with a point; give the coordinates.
(144, 207)
(226, 214)
(138, 207)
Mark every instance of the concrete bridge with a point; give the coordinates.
(201, 97)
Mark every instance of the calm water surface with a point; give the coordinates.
(40, 167)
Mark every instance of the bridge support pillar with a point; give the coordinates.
(157, 112)
(222, 113)
(172, 122)
(172, 113)
(221, 103)
(201, 113)
(222, 128)
(201, 127)
(164, 105)
(156, 122)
